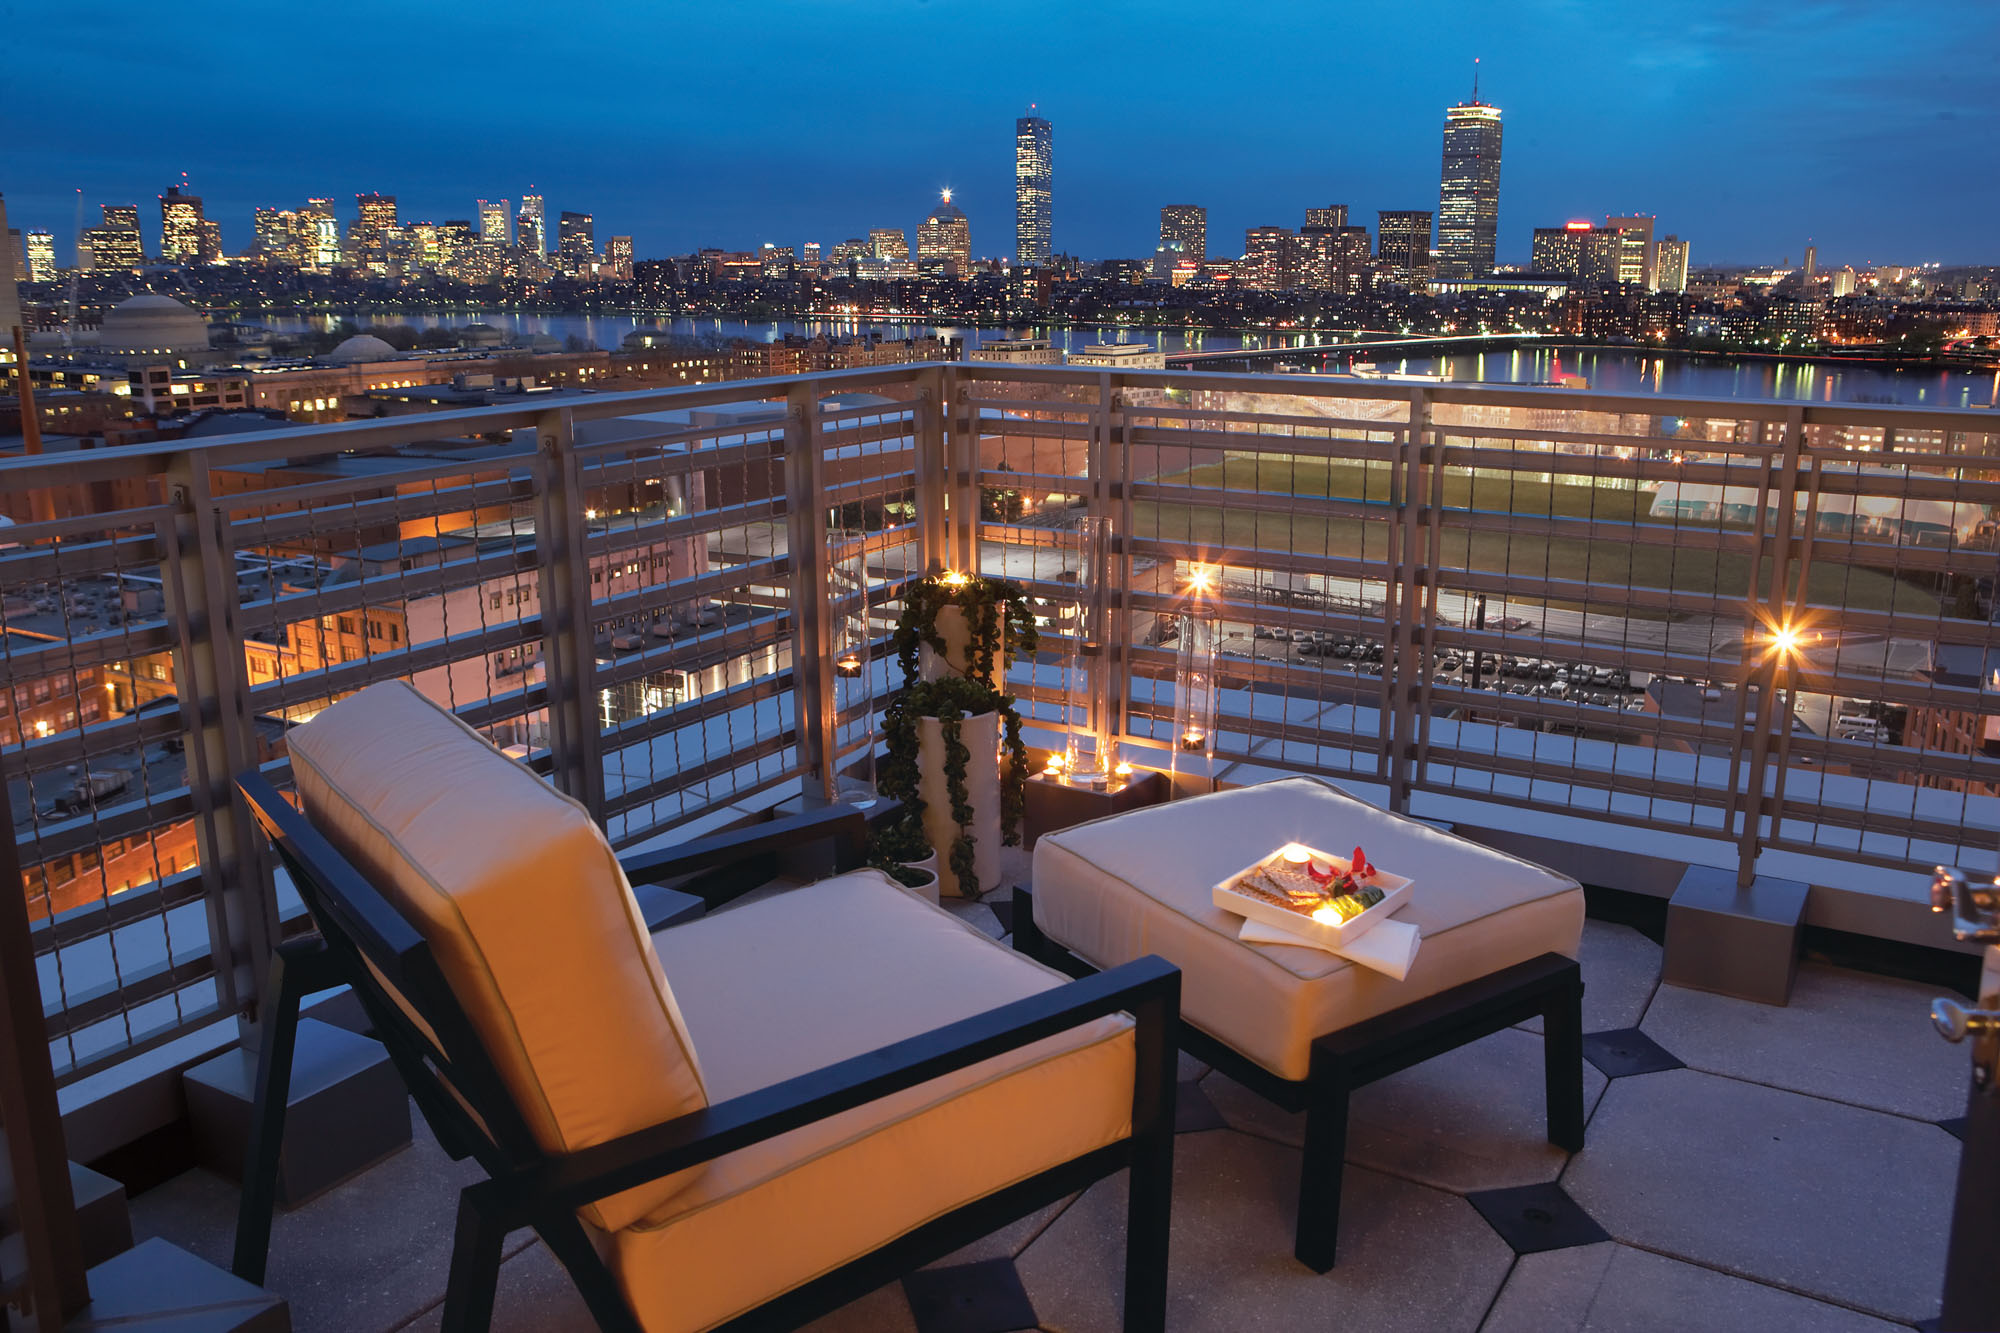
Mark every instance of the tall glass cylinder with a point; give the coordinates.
(1195, 689)
(854, 675)
(1092, 749)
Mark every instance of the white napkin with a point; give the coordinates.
(1389, 947)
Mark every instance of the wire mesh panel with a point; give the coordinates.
(107, 822)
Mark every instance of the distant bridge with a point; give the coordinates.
(1408, 345)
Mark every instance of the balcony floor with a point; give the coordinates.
(1790, 1173)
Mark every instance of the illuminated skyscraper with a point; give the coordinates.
(534, 233)
(1403, 246)
(1670, 266)
(576, 241)
(116, 243)
(40, 248)
(1327, 219)
(376, 219)
(944, 240)
(1636, 256)
(1468, 220)
(1184, 227)
(618, 257)
(888, 243)
(180, 226)
(324, 244)
(1034, 176)
(1266, 258)
(495, 223)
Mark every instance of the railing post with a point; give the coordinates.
(1780, 544)
(44, 1204)
(1105, 469)
(928, 432)
(961, 454)
(198, 580)
(1401, 603)
(569, 652)
(811, 590)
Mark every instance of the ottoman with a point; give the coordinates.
(1300, 1026)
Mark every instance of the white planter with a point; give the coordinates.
(929, 866)
(980, 735)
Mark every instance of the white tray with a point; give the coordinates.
(1395, 892)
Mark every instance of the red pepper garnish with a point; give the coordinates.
(1362, 869)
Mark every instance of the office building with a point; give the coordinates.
(375, 220)
(618, 257)
(1034, 143)
(115, 243)
(1812, 262)
(180, 227)
(1670, 266)
(534, 228)
(325, 241)
(1351, 268)
(1468, 220)
(1184, 230)
(1636, 257)
(496, 224)
(1018, 351)
(1403, 246)
(1269, 262)
(944, 240)
(576, 240)
(1326, 219)
(888, 243)
(39, 249)
(1558, 251)
(424, 253)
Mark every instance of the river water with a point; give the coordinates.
(1613, 370)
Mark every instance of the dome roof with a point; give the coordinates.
(149, 301)
(362, 347)
(946, 212)
(151, 325)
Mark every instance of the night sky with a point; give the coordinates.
(1748, 128)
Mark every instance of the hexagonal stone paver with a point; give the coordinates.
(1621, 970)
(1600, 1288)
(1829, 1200)
(1470, 1119)
(1847, 1035)
(1410, 1257)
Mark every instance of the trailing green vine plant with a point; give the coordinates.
(1000, 628)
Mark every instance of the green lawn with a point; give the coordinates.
(1607, 563)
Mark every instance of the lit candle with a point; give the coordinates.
(952, 578)
(1327, 916)
(848, 664)
(1123, 770)
(1192, 738)
(1295, 855)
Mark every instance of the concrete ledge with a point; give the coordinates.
(159, 1288)
(347, 1110)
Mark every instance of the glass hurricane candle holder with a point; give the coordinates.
(853, 680)
(1195, 695)
(1091, 751)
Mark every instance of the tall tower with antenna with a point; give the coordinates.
(1469, 187)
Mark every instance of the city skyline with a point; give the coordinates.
(1761, 130)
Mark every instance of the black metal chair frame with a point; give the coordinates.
(460, 1094)
(1550, 986)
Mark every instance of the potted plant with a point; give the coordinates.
(945, 731)
(898, 850)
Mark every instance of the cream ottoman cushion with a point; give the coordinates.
(1136, 883)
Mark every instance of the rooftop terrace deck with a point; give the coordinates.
(1789, 1168)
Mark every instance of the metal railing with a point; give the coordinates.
(1763, 624)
